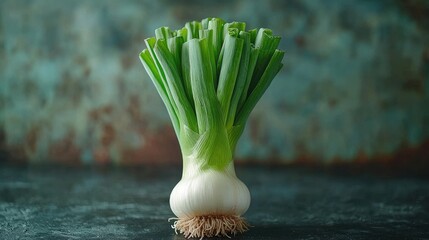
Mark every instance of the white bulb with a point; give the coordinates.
(210, 192)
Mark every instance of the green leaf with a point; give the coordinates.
(163, 33)
(183, 32)
(150, 44)
(253, 34)
(193, 29)
(186, 71)
(270, 72)
(254, 53)
(219, 65)
(210, 58)
(174, 83)
(241, 79)
(267, 43)
(154, 75)
(239, 26)
(228, 74)
(216, 25)
(206, 105)
(175, 47)
(205, 23)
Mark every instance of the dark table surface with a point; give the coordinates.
(39, 202)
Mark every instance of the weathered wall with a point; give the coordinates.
(355, 83)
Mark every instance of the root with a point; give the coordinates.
(210, 226)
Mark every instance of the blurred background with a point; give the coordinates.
(354, 89)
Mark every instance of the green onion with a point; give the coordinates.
(210, 75)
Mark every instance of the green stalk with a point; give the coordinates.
(216, 25)
(184, 109)
(210, 59)
(183, 32)
(150, 68)
(270, 72)
(267, 43)
(175, 47)
(212, 149)
(193, 29)
(241, 78)
(186, 71)
(239, 26)
(229, 70)
(159, 73)
(210, 75)
(163, 33)
(254, 53)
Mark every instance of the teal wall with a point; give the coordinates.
(355, 83)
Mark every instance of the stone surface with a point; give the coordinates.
(355, 83)
(132, 203)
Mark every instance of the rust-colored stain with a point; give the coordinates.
(410, 160)
(101, 155)
(408, 155)
(300, 41)
(65, 151)
(97, 113)
(158, 148)
(161, 147)
(133, 110)
(108, 136)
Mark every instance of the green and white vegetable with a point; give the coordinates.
(210, 75)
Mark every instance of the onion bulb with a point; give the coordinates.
(215, 198)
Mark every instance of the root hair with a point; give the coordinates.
(210, 226)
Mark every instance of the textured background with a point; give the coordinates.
(355, 86)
